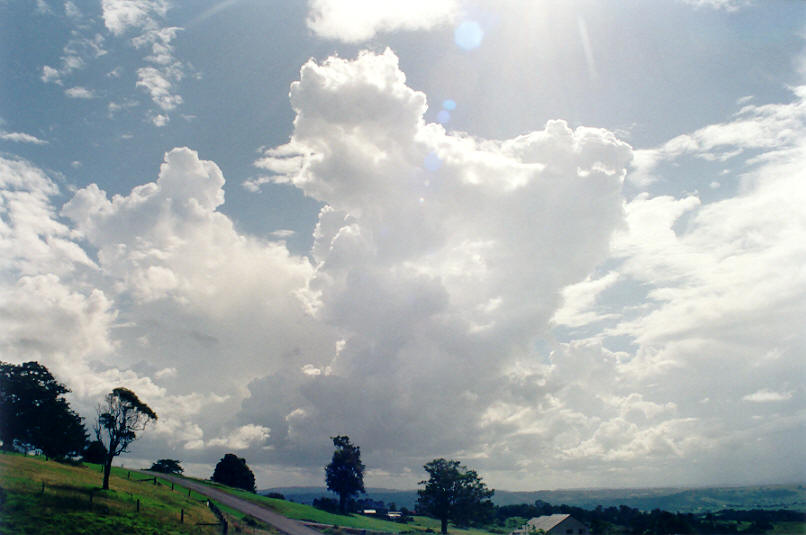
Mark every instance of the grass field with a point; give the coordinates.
(72, 502)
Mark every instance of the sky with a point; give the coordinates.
(562, 242)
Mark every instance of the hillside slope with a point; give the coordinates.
(46, 497)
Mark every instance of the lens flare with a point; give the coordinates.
(432, 161)
(449, 104)
(468, 35)
(443, 116)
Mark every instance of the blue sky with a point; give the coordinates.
(561, 241)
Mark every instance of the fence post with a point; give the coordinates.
(182, 516)
(172, 486)
(155, 481)
(129, 475)
(138, 505)
(188, 493)
(43, 487)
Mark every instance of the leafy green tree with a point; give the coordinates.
(452, 492)
(120, 418)
(34, 415)
(345, 473)
(167, 466)
(60, 433)
(232, 470)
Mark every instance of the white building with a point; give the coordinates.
(553, 525)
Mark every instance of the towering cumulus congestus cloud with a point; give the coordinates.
(440, 256)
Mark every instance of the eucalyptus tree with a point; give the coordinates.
(120, 418)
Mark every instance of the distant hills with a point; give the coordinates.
(684, 500)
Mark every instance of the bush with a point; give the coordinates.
(327, 504)
(95, 452)
(167, 466)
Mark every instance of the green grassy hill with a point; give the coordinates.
(306, 513)
(72, 502)
(46, 497)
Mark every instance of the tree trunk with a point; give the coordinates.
(107, 471)
(444, 526)
(342, 502)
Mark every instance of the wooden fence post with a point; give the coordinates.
(188, 493)
(129, 475)
(43, 487)
(138, 505)
(172, 486)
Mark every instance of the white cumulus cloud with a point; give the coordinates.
(440, 258)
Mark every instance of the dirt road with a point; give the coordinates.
(283, 524)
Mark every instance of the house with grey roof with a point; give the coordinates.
(553, 525)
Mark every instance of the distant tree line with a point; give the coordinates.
(624, 519)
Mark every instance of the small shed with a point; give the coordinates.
(553, 525)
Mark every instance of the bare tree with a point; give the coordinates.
(119, 419)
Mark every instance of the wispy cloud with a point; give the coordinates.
(767, 396)
(353, 21)
(766, 127)
(727, 5)
(121, 16)
(21, 137)
(80, 92)
(159, 79)
(78, 51)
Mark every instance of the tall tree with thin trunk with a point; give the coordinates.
(120, 418)
(345, 473)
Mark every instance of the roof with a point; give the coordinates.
(546, 522)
